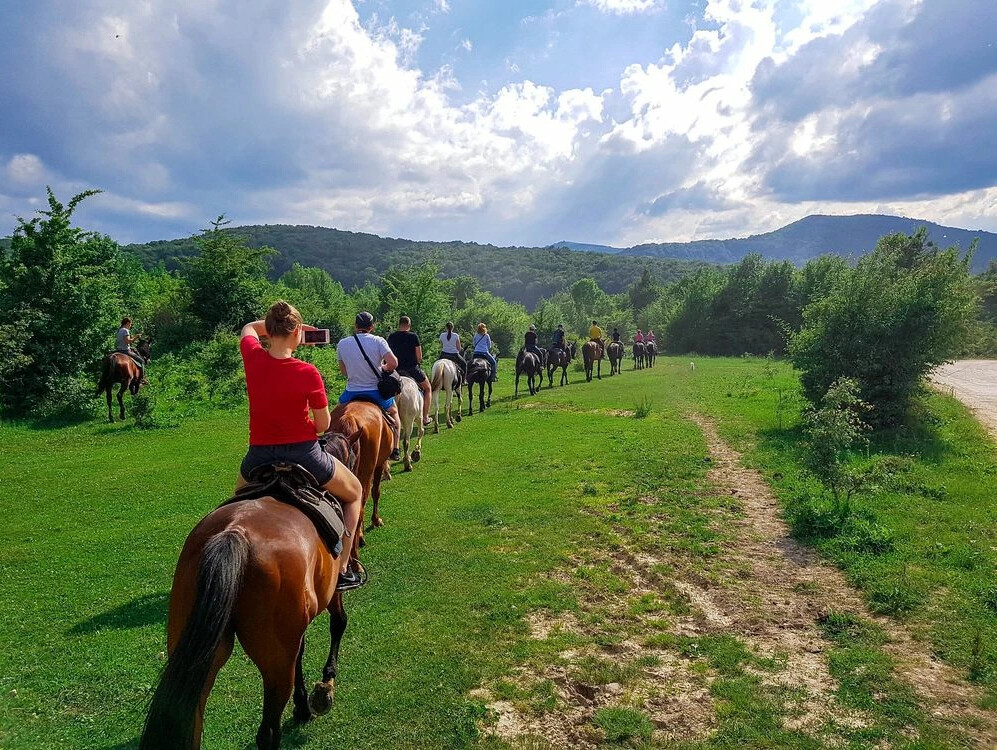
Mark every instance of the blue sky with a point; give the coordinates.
(514, 122)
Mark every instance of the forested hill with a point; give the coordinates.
(809, 238)
(519, 274)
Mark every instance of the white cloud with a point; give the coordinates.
(623, 7)
(466, 44)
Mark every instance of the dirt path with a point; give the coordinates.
(796, 588)
(974, 382)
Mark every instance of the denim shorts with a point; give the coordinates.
(308, 454)
(373, 395)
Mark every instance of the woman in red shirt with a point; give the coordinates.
(282, 391)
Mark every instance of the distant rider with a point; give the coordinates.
(483, 348)
(450, 343)
(616, 334)
(281, 391)
(596, 334)
(649, 336)
(361, 379)
(638, 337)
(405, 345)
(123, 341)
(557, 340)
(531, 343)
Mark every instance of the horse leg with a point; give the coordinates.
(516, 393)
(470, 400)
(110, 414)
(406, 458)
(121, 400)
(417, 453)
(375, 495)
(323, 694)
(489, 402)
(302, 711)
(278, 684)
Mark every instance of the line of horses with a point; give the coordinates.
(257, 570)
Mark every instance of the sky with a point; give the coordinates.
(513, 122)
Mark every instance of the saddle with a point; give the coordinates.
(294, 485)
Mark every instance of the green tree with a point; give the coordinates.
(227, 279)
(644, 292)
(906, 308)
(61, 302)
(416, 291)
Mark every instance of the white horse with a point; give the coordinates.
(444, 378)
(410, 415)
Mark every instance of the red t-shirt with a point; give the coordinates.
(280, 393)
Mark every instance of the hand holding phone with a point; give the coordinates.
(317, 336)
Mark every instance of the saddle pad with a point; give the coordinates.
(321, 508)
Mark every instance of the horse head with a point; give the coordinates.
(343, 447)
(144, 348)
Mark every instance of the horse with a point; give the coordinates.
(639, 351)
(257, 570)
(479, 371)
(615, 352)
(592, 353)
(410, 414)
(120, 368)
(560, 358)
(531, 365)
(375, 440)
(650, 353)
(446, 377)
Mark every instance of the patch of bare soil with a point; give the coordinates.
(781, 591)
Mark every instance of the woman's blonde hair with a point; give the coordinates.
(482, 328)
(282, 319)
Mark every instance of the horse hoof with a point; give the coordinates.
(458, 419)
(322, 697)
(416, 455)
(303, 714)
(361, 541)
(436, 429)
(377, 522)
(408, 466)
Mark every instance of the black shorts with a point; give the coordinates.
(415, 373)
(308, 454)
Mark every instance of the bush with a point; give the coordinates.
(904, 309)
(642, 408)
(70, 398)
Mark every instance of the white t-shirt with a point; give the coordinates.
(359, 375)
(450, 347)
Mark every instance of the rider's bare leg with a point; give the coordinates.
(427, 399)
(396, 429)
(345, 486)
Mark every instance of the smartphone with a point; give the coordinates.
(318, 336)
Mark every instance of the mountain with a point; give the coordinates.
(520, 274)
(816, 235)
(587, 248)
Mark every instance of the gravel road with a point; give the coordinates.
(974, 382)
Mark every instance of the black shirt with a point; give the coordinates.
(616, 335)
(531, 338)
(403, 344)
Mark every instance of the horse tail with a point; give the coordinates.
(174, 706)
(105, 376)
(436, 383)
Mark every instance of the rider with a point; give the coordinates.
(616, 335)
(638, 337)
(482, 348)
(282, 390)
(531, 343)
(123, 341)
(649, 336)
(361, 379)
(450, 343)
(595, 334)
(557, 340)
(406, 346)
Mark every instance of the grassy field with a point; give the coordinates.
(550, 541)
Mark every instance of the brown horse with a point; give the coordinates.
(259, 571)
(121, 368)
(615, 352)
(640, 350)
(560, 358)
(529, 364)
(650, 353)
(375, 441)
(592, 354)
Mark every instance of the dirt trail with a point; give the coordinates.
(974, 382)
(795, 588)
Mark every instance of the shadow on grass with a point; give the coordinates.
(145, 610)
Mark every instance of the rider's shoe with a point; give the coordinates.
(353, 577)
(427, 421)
(395, 455)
